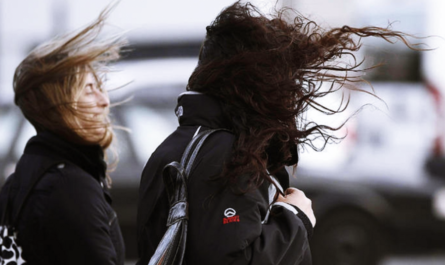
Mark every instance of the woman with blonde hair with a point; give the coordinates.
(57, 200)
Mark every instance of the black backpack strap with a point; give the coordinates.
(171, 249)
(189, 156)
(176, 174)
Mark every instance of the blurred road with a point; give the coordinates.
(430, 260)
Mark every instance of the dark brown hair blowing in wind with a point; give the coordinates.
(268, 71)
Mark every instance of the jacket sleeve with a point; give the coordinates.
(80, 219)
(228, 228)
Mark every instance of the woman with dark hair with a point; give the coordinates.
(57, 200)
(256, 76)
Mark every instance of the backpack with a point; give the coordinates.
(171, 248)
(10, 250)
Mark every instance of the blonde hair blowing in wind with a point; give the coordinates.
(47, 83)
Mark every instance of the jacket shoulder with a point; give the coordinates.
(67, 175)
(216, 145)
(47, 172)
(221, 139)
(212, 156)
(63, 184)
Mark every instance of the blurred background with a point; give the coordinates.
(379, 195)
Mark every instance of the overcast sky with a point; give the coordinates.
(25, 23)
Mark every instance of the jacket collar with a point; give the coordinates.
(197, 109)
(88, 157)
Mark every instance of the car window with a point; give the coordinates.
(9, 122)
(149, 127)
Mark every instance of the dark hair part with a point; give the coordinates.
(267, 71)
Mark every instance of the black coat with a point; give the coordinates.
(68, 218)
(214, 235)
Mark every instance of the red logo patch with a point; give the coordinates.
(233, 219)
(230, 216)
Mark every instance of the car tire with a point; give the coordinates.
(348, 238)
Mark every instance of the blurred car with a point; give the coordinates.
(374, 197)
(360, 217)
(360, 222)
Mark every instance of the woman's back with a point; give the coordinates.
(67, 218)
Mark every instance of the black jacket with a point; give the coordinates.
(247, 235)
(68, 218)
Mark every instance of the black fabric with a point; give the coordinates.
(90, 158)
(68, 218)
(213, 237)
(307, 223)
(196, 111)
